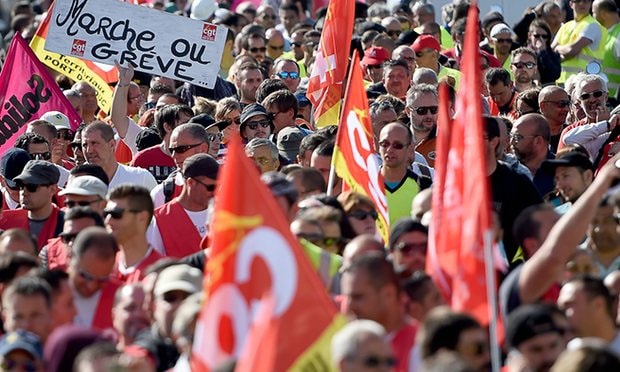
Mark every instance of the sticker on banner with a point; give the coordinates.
(78, 47)
(209, 32)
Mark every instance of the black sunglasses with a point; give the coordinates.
(595, 94)
(117, 213)
(30, 187)
(41, 155)
(395, 145)
(374, 361)
(423, 110)
(263, 123)
(183, 149)
(527, 65)
(209, 188)
(83, 203)
(213, 136)
(67, 135)
(362, 215)
(256, 50)
(76, 146)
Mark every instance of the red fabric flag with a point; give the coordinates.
(461, 204)
(27, 91)
(330, 65)
(254, 257)
(355, 157)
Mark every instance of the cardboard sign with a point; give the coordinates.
(153, 41)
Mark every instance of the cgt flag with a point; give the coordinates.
(330, 66)
(355, 157)
(258, 279)
(95, 74)
(27, 92)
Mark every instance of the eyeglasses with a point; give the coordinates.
(91, 278)
(396, 145)
(269, 16)
(263, 123)
(209, 188)
(41, 155)
(13, 365)
(64, 134)
(407, 248)
(76, 146)
(362, 215)
(274, 47)
(67, 238)
(213, 136)
(117, 213)
(288, 75)
(30, 187)
(256, 49)
(540, 36)
(373, 361)
(83, 203)
(560, 104)
(183, 148)
(503, 40)
(296, 44)
(527, 65)
(595, 94)
(423, 110)
(519, 137)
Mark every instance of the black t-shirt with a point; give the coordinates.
(512, 192)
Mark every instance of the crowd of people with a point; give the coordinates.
(106, 228)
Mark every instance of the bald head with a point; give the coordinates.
(398, 128)
(549, 91)
(537, 123)
(359, 245)
(272, 32)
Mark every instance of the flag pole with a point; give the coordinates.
(492, 301)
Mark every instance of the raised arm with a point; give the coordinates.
(118, 111)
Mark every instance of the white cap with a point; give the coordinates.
(57, 119)
(180, 277)
(500, 28)
(85, 186)
(202, 9)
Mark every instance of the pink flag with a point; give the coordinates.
(27, 91)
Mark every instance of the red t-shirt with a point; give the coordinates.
(155, 161)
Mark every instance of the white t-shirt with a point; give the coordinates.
(199, 219)
(132, 175)
(130, 138)
(64, 176)
(157, 194)
(593, 32)
(86, 308)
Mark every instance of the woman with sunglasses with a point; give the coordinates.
(228, 110)
(539, 40)
(360, 211)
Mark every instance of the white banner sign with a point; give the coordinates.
(153, 41)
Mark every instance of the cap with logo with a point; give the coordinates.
(375, 55)
(85, 186)
(425, 42)
(57, 119)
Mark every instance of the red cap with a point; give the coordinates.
(375, 56)
(425, 42)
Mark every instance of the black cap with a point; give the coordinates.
(252, 110)
(527, 322)
(201, 165)
(221, 125)
(406, 38)
(368, 25)
(567, 159)
(38, 172)
(12, 164)
(203, 119)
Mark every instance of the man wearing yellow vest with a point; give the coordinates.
(579, 41)
(427, 49)
(606, 13)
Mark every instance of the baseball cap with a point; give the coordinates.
(279, 185)
(21, 340)
(368, 26)
(289, 139)
(85, 186)
(375, 55)
(302, 99)
(179, 278)
(57, 119)
(252, 110)
(221, 125)
(202, 9)
(39, 172)
(527, 322)
(426, 42)
(500, 28)
(12, 164)
(567, 159)
(203, 119)
(201, 165)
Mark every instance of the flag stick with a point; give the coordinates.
(492, 301)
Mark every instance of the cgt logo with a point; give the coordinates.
(78, 47)
(208, 32)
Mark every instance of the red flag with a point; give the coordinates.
(461, 201)
(27, 92)
(330, 65)
(355, 157)
(254, 256)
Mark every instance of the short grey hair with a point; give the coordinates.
(423, 75)
(378, 10)
(589, 78)
(195, 131)
(428, 7)
(346, 342)
(417, 90)
(256, 143)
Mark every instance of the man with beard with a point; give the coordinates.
(247, 80)
(604, 236)
(554, 105)
(422, 108)
(128, 315)
(523, 68)
(573, 173)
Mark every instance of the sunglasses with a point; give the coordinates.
(288, 75)
(528, 65)
(64, 134)
(396, 145)
(423, 110)
(236, 120)
(263, 123)
(503, 41)
(91, 278)
(209, 188)
(183, 149)
(256, 50)
(76, 146)
(41, 155)
(595, 94)
(540, 36)
(268, 16)
(374, 361)
(67, 238)
(560, 104)
(407, 248)
(30, 187)
(117, 213)
(362, 215)
(83, 203)
(213, 136)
